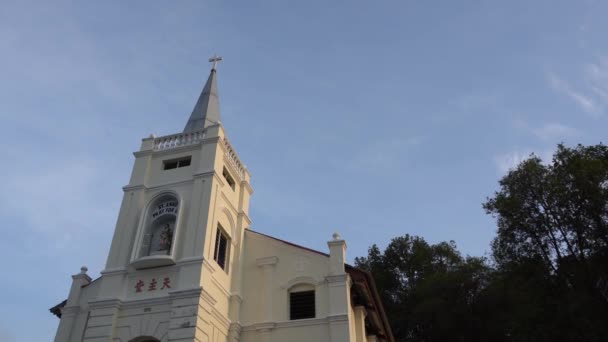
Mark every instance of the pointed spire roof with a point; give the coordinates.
(206, 112)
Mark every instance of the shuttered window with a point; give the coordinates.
(302, 305)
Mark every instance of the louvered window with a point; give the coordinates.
(176, 163)
(302, 305)
(220, 254)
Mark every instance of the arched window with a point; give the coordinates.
(157, 237)
(302, 301)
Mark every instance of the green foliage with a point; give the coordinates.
(428, 290)
(549, 276)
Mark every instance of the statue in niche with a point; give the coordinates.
(162, 238)
(166, 236)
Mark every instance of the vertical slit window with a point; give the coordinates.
(220, 254)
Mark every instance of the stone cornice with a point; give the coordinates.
(190, 261)
(154, 187)
(245, 184)
(68, 311)
(107, 303)
(114, 271)
(266, 326)
(144, 153)
(138, 303)
(340, 278)
(180, 294)
(128, 188)
(245, 216)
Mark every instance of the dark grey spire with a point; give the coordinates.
(207, 109)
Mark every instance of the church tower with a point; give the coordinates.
(178, 237)
(184, 265)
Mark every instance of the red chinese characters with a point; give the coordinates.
(166, 282)
(139, 285)
(153, 285)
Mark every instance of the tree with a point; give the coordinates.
(549, 277)
(554, 219)
(429, 291)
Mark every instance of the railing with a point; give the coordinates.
(175, 140)
(233, 159)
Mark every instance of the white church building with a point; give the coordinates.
(184, 265)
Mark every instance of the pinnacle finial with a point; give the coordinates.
(336, 236)
(215, 59)
(83, 270)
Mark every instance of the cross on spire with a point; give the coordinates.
(214, 60)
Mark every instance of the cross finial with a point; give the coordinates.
(214, 60)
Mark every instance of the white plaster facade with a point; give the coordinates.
(185, 294)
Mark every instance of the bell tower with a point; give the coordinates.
(174, 267)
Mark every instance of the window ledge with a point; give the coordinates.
(153, 261)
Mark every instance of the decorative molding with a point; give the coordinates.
(169, 185)
(114, 271)
(337, 318)
(68, 311)
(137, 303)
(233, 159)
(247, 186)
(341, 278)
(181, 294)
(208, 265)
(190, 261)
(235, 329)
(237, 297)
(143, 153)
(227, 200)
(204, 174)
(155, 187)
(128, 188)
(296, 323)
(220, 286)
(302, 280)
(267, 261)
(208, 298)
(245, 216)
(267, 326)
(220, 318)
(107, 303)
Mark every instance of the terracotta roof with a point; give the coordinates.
(56, 310)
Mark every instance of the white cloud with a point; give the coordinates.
(597, 77)
(586, 102)
(508, 161)
(592, 93)
(57, 201)
(554, 132)
(383, 153)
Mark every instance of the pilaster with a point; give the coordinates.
(268, 265)
(71, 309)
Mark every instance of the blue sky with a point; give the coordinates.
(374, 119)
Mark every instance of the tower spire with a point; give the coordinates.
(206, 112)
